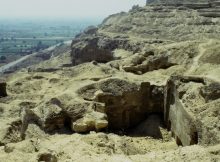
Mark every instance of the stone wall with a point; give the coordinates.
(186, 100)
(178, 120)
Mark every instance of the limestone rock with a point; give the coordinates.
(211, 91)
(90, 49)
(94, 121)
(10, 131)
(139, 64)
(185, 108)
(125, 105)
(57, 114)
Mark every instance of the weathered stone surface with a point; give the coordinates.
(90, 30)
(184, 106)
(211, 91)
(161, 23)
(207, 8)
(59, 113)
(207, 121)
(86, 48)
(90, 49)
(10, 131)
(126, 104)
(139, 64)
(94, 121)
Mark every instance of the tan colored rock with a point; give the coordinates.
(94, 121)
(111, 107)
(101, 124)
(79, 127)
(10, 131)
(139, 64)
(184, 106)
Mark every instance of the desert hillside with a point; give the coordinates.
(142, 86)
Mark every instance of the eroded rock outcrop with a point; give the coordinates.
(140, 64)
(126, 104)
(184, 109)
(88, 50)
(11, 132)
(55, 114)
(99, 47)
(207, 8)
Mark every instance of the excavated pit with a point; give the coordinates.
(135, 110)
(145, 110)
(136, 113)
(151, 127)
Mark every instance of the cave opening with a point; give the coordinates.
(178, 141)
(60, 125)
(151, 126)
(47, 157)
(194, 138)
(137, 113)
(144, 112)
(67, 124)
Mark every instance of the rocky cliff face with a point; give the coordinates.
(151, 74)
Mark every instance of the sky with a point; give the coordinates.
(64, 8)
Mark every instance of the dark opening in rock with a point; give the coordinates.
(3, 92)
(61, 125)
(130, 108)
(47, 157)
(194, 138)
(151, 127)
(144, 109)
(67, 123)
(169, 125)
(178, 141)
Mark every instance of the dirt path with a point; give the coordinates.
(195, 63)
(213, 75)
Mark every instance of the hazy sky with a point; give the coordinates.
(64, 8)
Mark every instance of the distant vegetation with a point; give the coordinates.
(23, 37)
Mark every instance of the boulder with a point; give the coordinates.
(94, 121)
(140, 64)
(89, 49)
